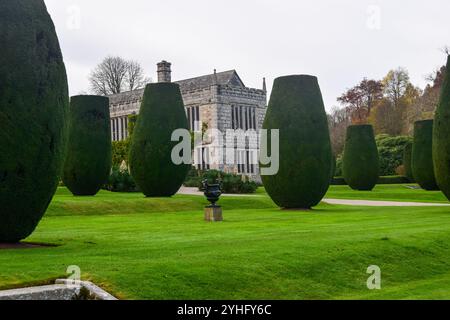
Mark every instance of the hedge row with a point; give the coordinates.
(231, 183)
(340, 181)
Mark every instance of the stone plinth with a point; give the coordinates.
(213, 214)
(63, 289)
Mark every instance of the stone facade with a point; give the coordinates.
(216, 101)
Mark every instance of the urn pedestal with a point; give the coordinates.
(213, 214)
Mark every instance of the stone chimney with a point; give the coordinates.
(215, 78)
(164, 71)
(264, 85)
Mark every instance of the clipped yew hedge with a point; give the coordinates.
(88, 161)
(441, 136)
(33, 115)
(407, 161)
(296, 108)
(162, 112)
(361, 161)
(422, 155)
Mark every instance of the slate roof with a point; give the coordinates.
(226, 78)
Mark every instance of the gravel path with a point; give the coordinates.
(368, 203)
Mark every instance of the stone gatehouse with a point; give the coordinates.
(216, 101)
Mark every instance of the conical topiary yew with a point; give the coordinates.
(422, 155)
(296, 108)
(441, 136)
(162, 112)
(33, 114)
(407, 158)
(88, 161)
(361, 160)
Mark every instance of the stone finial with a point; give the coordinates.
(264, 85)
(164, 71)
(215, 81)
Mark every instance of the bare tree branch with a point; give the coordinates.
(115, 74)
(135, 76)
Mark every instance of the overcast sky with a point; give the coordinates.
(339, 41)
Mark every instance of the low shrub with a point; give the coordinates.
(338, 181)
(231, 183)
(120, 180)
(193, 179)
(393, 180)
(391, 152)
(120, 150)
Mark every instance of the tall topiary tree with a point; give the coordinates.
(441, 136)
(33, 110)
(361, 161)
(407, 158)
(162, 112)
(296, 108)
(333, 165)
(422, 155)
(88, 160)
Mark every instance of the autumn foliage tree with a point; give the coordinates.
(385, 103)
(399, 94)
(360, 100)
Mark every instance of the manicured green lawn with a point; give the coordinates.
(161, 249)
(396, 192)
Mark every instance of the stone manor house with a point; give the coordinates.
(215, 101)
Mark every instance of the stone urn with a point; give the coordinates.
(213, 192)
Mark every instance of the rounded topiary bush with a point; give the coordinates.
(361, 161)
(422, 155)
(88, 161)
(407, 161)
(162, 112)
(296, 108)
(441, 136)
(33, 110)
